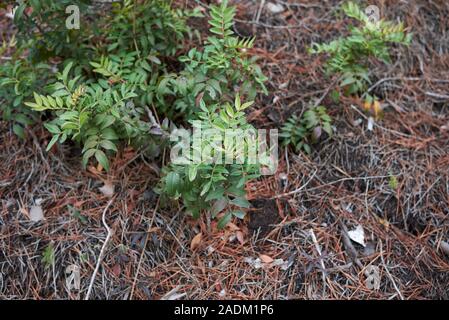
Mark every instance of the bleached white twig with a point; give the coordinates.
(389, 274)
(318, 249)
(259, 12)
(297, 190)
(103, 249)
(328, 184)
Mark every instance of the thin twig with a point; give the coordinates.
(103, 249)
(378, 83)
(328, 184)
(326, 92)
(143, 249)
(297, 190)
(271, 26)
(318, 249)
(388, 272)
(262, 4)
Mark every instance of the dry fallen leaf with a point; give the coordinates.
(281, 263)
(107, 189)
(232, 227)
(444, 246)
(358, 235)
(196, 241)
(385, 223)
(36, 213)
(10, 13)
(367, 106)
(370, 126)
(173, 294)
(240, 237)
(275, 8)
(374, 108)
(93, 170)
(265, 259)
(377, 109)
(116, 270)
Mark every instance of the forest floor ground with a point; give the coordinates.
(294, 243)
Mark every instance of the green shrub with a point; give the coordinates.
(204, 94)
(212, 74)
(95, 115)
(216, 186)
(44, 29)
(349, 56)
(18, 79)
(150, 27)
(304, 131)
(118, 67)
(108, 97)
